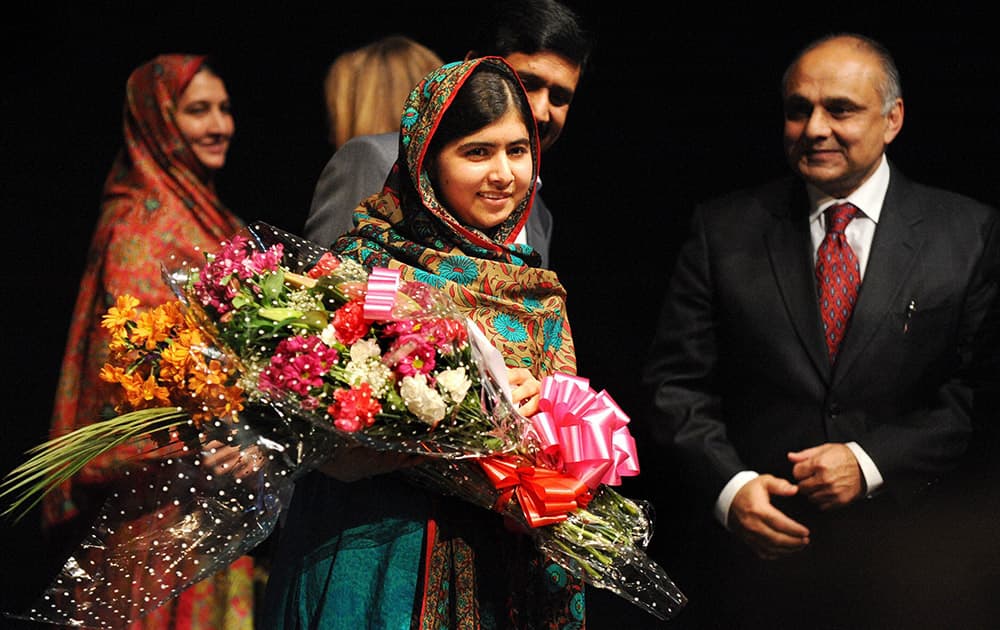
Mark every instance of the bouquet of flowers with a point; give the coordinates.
(275, 354)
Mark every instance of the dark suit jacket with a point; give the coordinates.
(739, 369)
(358, 169)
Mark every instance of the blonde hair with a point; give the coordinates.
(366, 87)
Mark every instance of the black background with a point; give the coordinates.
(674, 108)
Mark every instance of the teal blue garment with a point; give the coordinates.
(348, 556)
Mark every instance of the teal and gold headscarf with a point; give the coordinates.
(495, 281)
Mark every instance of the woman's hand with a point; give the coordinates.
(350, 463)
(525, 391)
(223, 459)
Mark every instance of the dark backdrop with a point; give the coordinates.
(672, 110)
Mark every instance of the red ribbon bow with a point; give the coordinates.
(546, 496)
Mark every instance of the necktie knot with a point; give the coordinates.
(839, 215)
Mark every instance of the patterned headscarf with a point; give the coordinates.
(495, 281)
(157, 161)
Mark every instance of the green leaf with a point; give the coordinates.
(317, 320)
(240, 300)
(279, 314)
(55, 461)
(273, 285)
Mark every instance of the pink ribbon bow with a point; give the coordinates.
(584, 431)
(381, 293)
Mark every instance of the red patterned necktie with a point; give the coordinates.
(838, 275)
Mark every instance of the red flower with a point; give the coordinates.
(327, 264)
(354, 409)
(349, 322)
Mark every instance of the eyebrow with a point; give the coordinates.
(534, 78)
(840, 101)
(483, 143)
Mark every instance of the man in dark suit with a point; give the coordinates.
(812, 419)
(545, 43)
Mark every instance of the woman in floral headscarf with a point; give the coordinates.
(159, 205)
(366, 550)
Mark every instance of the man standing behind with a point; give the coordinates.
(544, 42)
(810, 366)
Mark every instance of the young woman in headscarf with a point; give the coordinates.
(361, 548)
(159, 205)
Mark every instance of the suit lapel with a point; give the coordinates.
(894, 248)
(534, 229)
(790, 250)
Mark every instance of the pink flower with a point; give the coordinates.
(445, 334)
(297, 367)
(354, 409)
(259, 263)
(219, 280)
(412, 355)
(400, 327)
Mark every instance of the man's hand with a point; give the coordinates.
(768, 531)
(828, 475)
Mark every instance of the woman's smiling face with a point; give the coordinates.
(205, 120)
(482, 177)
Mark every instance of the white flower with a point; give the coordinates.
(365, 349)
(304, 300)
(329, 335)
(423, 401)
(454, 383)
(371, 371)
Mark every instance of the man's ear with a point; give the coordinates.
(894, 121)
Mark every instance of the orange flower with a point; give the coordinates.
(142, 332)
(175, 359)
(120, 314)
(143, 394)
(219, 401)
(111, 373)
(190, 337)
(173, 312)
(205, 377)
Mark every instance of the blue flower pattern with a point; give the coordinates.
(509, 328)
(577, 607)
(460, 269)
(410, 117)
(426, 277)
(552, 329)
(556, 577)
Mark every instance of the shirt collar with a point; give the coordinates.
(868, 196)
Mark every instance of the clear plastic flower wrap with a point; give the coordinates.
(602, 540)
(275, 354)
(557, 487)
